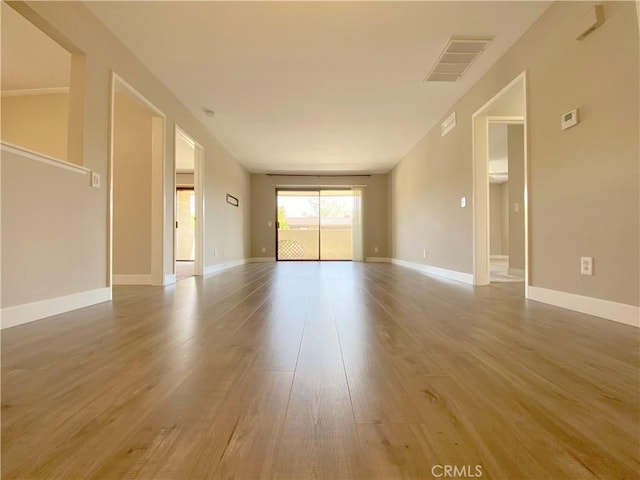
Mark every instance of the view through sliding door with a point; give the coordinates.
(315, 224)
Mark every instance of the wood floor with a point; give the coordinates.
(323, 371)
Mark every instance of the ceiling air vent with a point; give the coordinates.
(459, 53)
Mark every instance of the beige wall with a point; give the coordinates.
(32, 230)
(184, 179)
(131, 188)
(504, 196)
(498, 231)
(375, 209)
(85, 258)
(37, 122)
(583, 182)
(515, 154)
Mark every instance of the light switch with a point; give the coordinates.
(95, 180)
(463, 202)
(516, 207)
(269, 224)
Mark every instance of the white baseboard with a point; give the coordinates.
(169, 279)
(261, 259)
(377, 260)
(440, 272)
(618, 312)
(499, 257)
(516, 272)
(220, 267)
(29, 312)
(131, 279)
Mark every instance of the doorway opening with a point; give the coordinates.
(318, 224)
(185, 231)
(506, 194)
(137, 195)
(500, 187)
(189, 206)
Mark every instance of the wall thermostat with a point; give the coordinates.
(569, 119)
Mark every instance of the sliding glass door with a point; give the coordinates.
(298, 225)
(316, 224)
(336, 225)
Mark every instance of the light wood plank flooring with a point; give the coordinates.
(320, 371)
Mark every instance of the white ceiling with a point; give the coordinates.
(30, 59)
(313, 86)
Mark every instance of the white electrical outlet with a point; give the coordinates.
(463, 202)
(424, 253)
(586, 265)
(269, 224)
(264, 249)
(375, 249)
(95, 180)
(516, 207)
(215, 252)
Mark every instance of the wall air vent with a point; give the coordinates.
(448, 124)
(459, 53)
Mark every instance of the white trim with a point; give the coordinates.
(112, 111)
(505, 119)
(499, 257)
(198, 187)
(480, 194)
(169, 279)
(158, 201)
(198, 191)
(29, 312)
(480, 202)
(377, 260)
(440, 272)
(220, 267)
(35, 91)
(134, 94)
(516, 272)
(132, 279)
(158, 184)
(185, 136)
(39, 157)
(261, 259)
(618, 312)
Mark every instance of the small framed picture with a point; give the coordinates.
(232, 200)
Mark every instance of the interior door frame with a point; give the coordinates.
(158, 184)
(479, 127)
(198, 176)
(192, 189)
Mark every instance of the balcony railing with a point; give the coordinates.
(332, 244)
